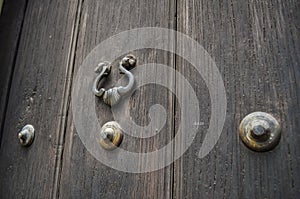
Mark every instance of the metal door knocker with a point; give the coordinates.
(113, 95)
(111, 134)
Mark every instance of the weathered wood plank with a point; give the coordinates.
(1, 4)
(37, 97)
(255, 45)
(84, 176)
(11, 21)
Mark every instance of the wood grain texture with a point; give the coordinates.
(11, 21)
(82, 175)
(1, 4)
(37, 97)
(255, 45)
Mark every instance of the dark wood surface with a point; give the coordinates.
(37, 96)
(11, 23)
(255, 45)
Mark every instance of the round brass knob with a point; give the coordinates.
(111, 135)
(260, 131)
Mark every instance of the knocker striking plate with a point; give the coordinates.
(113, 95)
(111, 135)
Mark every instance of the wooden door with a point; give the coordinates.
(256, 48)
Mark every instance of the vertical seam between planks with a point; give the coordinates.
(66, 101)
(6, 96)
(174, 99)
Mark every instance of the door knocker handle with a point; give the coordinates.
(113, 95)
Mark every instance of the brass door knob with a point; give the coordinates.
(260, 131)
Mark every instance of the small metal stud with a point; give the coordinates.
(26, 136)
(111, 135)
(260, 131)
